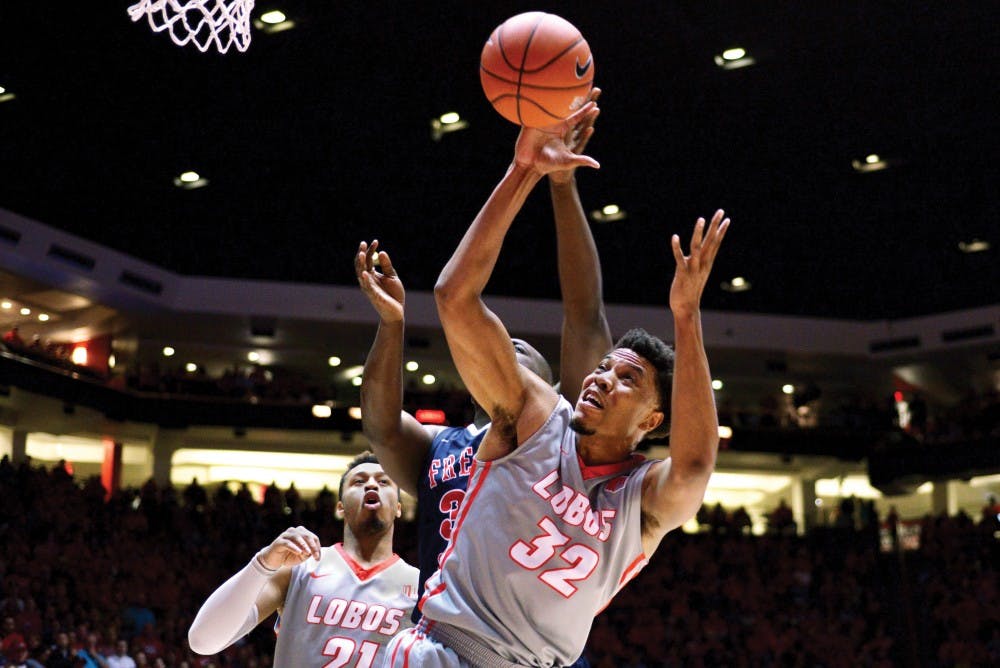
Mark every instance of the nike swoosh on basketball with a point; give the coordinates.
(581, 70)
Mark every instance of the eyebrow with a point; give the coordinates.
(625, 360)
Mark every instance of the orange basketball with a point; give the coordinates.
(536, 69)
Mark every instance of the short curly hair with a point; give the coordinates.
(366, 457)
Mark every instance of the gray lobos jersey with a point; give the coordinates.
(541, 545)
(337, 613)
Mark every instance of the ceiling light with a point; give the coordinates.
(736, 284)
(412, 366)
(321, 411)
(725, 432)
(5, 304)
(734, 58)
(356, 381)
(608, 213)
(354, 412)
(272, 17)
(253, 356)
(974, 246)
(428, 379)
(168, 351)
(2, 90)
(787, 388)
(43, 317)
(716, 384)
(333, 360)
(273, 21)
(25, 311)
(190, 180)
(5, 95)
(872, 163)
(112, 361)
(190, 367)
(447, 122)
(352, 371)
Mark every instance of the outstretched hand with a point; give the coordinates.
(576, 138)
(291, 548)
(555, 148)
(693, 270)
(383, 288)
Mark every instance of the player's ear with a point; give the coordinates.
(399, 509)
(338, 512)
(652, 421)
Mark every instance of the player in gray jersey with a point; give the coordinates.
(560, 513)
(337, 605)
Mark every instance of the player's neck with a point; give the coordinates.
(597, 450)
(368, 550)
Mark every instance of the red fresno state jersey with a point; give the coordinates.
(338, 613)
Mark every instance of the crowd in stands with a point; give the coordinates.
(51, 353)
(90, 582)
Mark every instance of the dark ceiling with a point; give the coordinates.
(319, 136)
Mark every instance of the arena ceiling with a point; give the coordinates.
(320, 136)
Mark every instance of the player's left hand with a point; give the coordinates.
(547, 150)
(693, 270)
(383, 288)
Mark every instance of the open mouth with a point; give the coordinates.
(372, 499)
(592, 399)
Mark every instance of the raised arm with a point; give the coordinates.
(586, 337)
(674, 489)
(480, 345)
(397, 439)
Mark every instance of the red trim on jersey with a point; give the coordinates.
(632, 569)
(360, 571)
(630, 572)
(599, 470)
(427, 594)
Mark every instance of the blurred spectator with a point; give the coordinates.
(741, 521)
(120, 659)
(12, 338)
(62, 654)
(781, 520)
(91, 656)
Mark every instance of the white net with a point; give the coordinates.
(222, 23)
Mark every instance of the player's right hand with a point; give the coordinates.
(547, 150)
(576, 137)
(291, 548)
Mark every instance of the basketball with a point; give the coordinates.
(536, 69)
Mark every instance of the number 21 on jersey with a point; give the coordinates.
(341, 651)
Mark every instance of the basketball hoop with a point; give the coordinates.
(223, 23)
